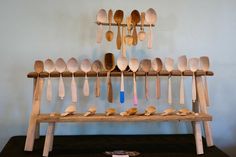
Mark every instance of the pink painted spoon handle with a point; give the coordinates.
(158, 89)
(169, 91)
(193, 88)
(135, 99)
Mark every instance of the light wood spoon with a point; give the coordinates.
(134, 65)
(142, 34)
(101, 18)
(169, 65)
(73, 66)
(194, 65)
(151, 18)
(145, 65)
(129, 38)
(49, 67)
(86, 67)
(182, 66)
(61, 67)
(205, 64)
(157, 66)
(122, 64)
(97, 67)
(118, 18)
(135, 19)
(38, 67)
(109, 33)
(109, 64)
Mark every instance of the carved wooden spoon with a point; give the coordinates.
(205, 64)
(38, 67)
(135, 19)
(146, 66)
(86, 67)
(61, 67)
(97, 67)
(182, 66)
(157, 66)
(169, 64)
(134, 65)
(101, 18)
(49, 67)
(118, 18)
(194, 65)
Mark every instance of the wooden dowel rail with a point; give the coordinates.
(118, 74)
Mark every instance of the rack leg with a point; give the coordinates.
(37, 131)
(49, 139)
(198, 137)
(29, 143)
(208, 135)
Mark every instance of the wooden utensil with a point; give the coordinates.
(49, 67)
(109, 64)
(123, 48)
(97, 67)
(86, 67)
(194, 65)
(122, 63)
(182, 66)
(157, 66)
(129, 38)
(109, 33)
(38, 68)
(118, 18)
(61, 67)
(205, 64)
(142, 34)
(145, 65)
(134, 65)
(151, 18)
(73, 66)
(135, 19)
(101, 18)
(169, 65)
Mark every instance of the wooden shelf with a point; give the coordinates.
(118, 118)
(118, 73)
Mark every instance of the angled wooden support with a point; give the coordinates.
(33, 129)
(49, 139)
(198, 137)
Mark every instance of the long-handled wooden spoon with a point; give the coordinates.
(194, 65)
(109, 64)
(169, 65)
(205, 64)
(49, 67)
(101, 18)
(129, 38)
(118, 18)
(97, 67)
(86, 67)
(157, 66)
(109, 33)
(134, 65)
(145, 65)
(73, 66)
(135, 19)
(61, 67)
(182, 66)
(151, 18)
(38, 67)
(142, 34)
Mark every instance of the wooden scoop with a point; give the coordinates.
(38, 67)
(169, 64)
(109, 33)
(97, 67)
(157, 66)
(135, 19)
(151, 18)
(101, 18)
(109, 64)
(61, 67)
(49, 67)
(205, 64)
(86, 67)
(146, 66)
(182, 66)
(118, 18)
(194, 65)
(134, 65)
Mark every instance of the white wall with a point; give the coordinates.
(31, 30)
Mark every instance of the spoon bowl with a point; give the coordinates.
(72, 65)
(101, 18)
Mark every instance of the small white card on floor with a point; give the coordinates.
(120, 155)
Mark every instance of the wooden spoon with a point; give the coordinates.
(129, 38)
(109, 64)
(97, 67)
(101, 18)
(145, 65)
(118, 18)
(109, 33)
(73, 66)
(194, 65)
(122, 63)
(134, 65)
(182, 66)
(151, 18)
(142, 34)
(169, 65)
(61, 67)
(49, 67)
(38, 67)
(157, 66)
(135, 19)
(86, 67)
(205, 64)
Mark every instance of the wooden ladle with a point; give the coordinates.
(194, 65)
(134, 65)
(182, 66)
(118, 18)
(61, 67)
(97, 67)
(205, 64)
(101, 18)
(145, 65)
(49, 67)
(109, 33)
(169, 65)
(157, 66)
(38, 68)
(135, 19)
(109, 64)
(86, 67)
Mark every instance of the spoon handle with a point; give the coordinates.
(193, 88)
(181, 100)
(135, 100)
(150, 37)
(123, 41)
(169, 90)
(118, 38)
(146, 87)
(86, 86)
(73, 89)
(206, 91)
(99, 33)
(61, 87)
(97, 87)
(158, 89)
(109, 88)
(49, 89)
(135, 36)
(122, 92)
